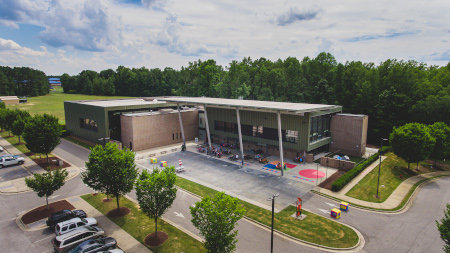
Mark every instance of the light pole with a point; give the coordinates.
(273, 207)
(379, 166)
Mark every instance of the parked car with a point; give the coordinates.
(112, 251)
(72, 224)
(66, 242)
(64, 215)
(96, 245)
(1, 149)
(8, 160)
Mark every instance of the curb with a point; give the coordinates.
(70, 176)
(359, 245)
(403, 209)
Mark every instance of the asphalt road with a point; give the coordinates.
(411, 231)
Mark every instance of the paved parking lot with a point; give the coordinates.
(250, 184)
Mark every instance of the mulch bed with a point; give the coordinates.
(116, 214)
(327, 183)
(42, 212)
(152, 241)
(106, 200)
(42, 162)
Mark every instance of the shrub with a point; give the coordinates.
(347, 177)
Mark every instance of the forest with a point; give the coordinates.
(392, 93)
(22, 82)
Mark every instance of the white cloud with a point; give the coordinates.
(13, 53)
(164, 33)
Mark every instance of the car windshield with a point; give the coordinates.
(76, 250)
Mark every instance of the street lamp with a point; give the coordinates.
(379, 167)
(273, 207)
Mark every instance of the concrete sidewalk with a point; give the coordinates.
(394, 199)
(18, 185)
(124, 240)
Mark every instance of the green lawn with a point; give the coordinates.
(313, 228)
(138, 225)
(53, 103)
(356, 159)
(391, 169)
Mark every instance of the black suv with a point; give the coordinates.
(64, 215)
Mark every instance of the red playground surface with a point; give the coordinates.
(311, 173)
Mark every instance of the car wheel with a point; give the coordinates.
(20, 163)
(110, 248)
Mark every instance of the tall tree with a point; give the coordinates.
(47, 183)
(444, 229)
(441, 132)
(3, 119)
(110, 170)
(156, 192)
(2, 105)
(18, 127)
(42, 134)
(412, 142)
(216, 219)
(10, 117)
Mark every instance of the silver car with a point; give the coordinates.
(65, 242)
(72, 224)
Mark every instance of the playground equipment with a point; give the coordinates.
(264, 160)
(344, 206)
(153, 160)
(299, 207)
(163, 164)
(335, 213)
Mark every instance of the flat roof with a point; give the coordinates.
(118, 102)
(251, 104)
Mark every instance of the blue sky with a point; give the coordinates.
(68, 36)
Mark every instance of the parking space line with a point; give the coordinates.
(46, 238)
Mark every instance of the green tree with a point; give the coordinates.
(18, 127)
(441, 132)
(412, 142)
(42, 134)
(444, 229)
(10, 117)
(110, 170)
(216, 219)
(47, 183)
(2, 105)
(156, 192)
(3, 119)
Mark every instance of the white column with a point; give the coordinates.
(207, 130)
(240, 135)
(181, 125)
(280, 140)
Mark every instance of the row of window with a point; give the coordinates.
(88, 124)
(320, 127)
(257, 131)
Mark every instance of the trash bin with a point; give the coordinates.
(60, 162)
(183, 147)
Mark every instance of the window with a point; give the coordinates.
(72, 226)
(320, 127)
(219, 125)
(200, 121)
(258, 131)
(291, 136)
(88, 124)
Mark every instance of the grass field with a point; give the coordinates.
(53, 103)
(139, 225)
(313, 228)
(394, 170)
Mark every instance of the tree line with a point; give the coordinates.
(23, 81)
(392, 94)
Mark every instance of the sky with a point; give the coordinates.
(68, 36)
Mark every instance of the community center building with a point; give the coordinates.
(275, 128)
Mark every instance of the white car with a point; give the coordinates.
(8, 160)
(72, 224)
(1, 149)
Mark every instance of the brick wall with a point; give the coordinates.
(337, 164)
(349, 134)
(150, 131)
